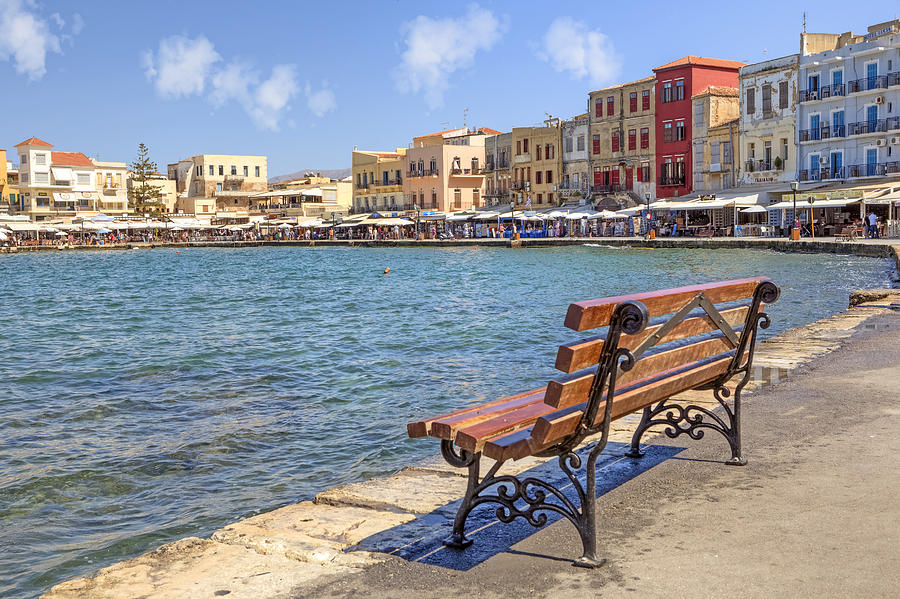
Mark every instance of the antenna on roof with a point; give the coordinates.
(465, 114)
(804, 21)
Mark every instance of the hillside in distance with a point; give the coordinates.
(335, 173)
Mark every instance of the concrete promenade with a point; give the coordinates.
(812, 514)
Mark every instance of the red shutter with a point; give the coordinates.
(596, 144)
(597, 179)
(615, 176)
(615, 141)
(610, 106)
(645, 138)
(632, 139)
(629, 177)
(598, 107)
(633, 101)
(645, 100)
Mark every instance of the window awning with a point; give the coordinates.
(65, 197)
(816, 204)
(61, 173)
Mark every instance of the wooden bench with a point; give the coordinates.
(641, 360)
(705, 233)
(846, 234)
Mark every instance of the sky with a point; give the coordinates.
(305, 82)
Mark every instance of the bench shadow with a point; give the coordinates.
(420, 540)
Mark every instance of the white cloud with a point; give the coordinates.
(184, 67)
(436, 48)
(321, 101)
(570, 46)
(181, 66)
(77, 24)
(25, 38)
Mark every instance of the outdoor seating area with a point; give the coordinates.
(639, 363)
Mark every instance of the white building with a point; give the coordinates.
(768, 92)
(575, 158)
(849, 113)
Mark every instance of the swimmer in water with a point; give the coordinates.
(387, 271)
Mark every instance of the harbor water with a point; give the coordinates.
(150, 395)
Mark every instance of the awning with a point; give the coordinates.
(61, 173)
(65, 197)
(755, 209)
(315, 191)
(816, 204)
(486, 216)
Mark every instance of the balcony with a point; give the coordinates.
(867, 127)
(235, 178)
(424, 173)
(607, 188)
(823, 132)
(867, 84)
(390, 182)
(893, 78)
(762, 165)
(823, 93)
(520, 185)
(522, 158)
(768, 113)
(879, 169)
(466, 172)
(672, 180)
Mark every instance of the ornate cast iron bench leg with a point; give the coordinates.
(472, 461)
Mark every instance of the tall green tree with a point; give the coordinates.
(144, 197)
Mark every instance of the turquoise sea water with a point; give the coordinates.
(149, 395)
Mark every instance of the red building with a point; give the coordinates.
(676, 82)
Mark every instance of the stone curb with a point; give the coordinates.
(270, 554)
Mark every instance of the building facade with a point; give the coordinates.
(56, 184)
(377, 180)
(676, 83)
(536, 165)
(848, 117)
(110, 181)
(497, 168)
(715, 135)
(623, 141)
(445, 170)
(576, 165)
(168, 195)
(4, 181)
(769, 94)
(230, 180)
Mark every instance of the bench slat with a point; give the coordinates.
(447, 427)
(591, 314)
(472, 438)
(586, 352)
(574, 388)
(422, 428)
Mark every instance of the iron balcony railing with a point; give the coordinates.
(519, 185)
(389, 182)
(866, 127)
(671, 179)
(466, 171)
(894, 78)
(878, 169)
(424, 173)
(824, 92)
(823, 132)
(607, 188)
(868, 83)
(763, 165)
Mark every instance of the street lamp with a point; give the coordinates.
(812, 222)
(416, 206)
(795, 185)
(512, 218)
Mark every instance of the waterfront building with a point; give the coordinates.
(575, 179)
(56, 184)
(4, 183)
(536, 164)
(110, 182)
(377, 180)
(676, 83)
(218, 183)
(168, 195)
(715, 134)
(497, 169)
(768, 146)
(623, 142)
(309, 196)
(848, 117)
(445, 170)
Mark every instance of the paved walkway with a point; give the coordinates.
(814, 513)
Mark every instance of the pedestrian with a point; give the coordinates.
(873, 225)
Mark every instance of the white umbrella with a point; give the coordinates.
(755, 209)
(3, 236)
(103, 231)
(61, 233)
(285, 226)
(176, 229)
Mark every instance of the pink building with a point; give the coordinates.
(444, 170)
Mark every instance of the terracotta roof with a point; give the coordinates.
(717, 90)
(33, 141)
(489, 131)
(702, 62)
(440, 132)
(70, 159)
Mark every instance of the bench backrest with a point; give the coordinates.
(705, 324)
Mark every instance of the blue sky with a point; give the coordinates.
(305, 82)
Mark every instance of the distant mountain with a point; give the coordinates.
(336, 173)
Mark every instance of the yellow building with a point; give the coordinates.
(231, 180)
(4, 184)
(536, 164)
(378, 180)
(715, 133)
(167, 190)
(623, 142)
(110, 183)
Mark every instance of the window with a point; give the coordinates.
(596, 144)
(85, 179)
(667, 132)
(632, 102)
(783, 95)
(569, 144)
(714, 153)
(667, 91)
(632, 139)
(610, 106)
(212, 170)
(525, 145)
(580, 144)
(750, 101)
(518, 147)
(726, 153)
(698, 114)
(23, 159)
(679, 130)
(645, 99)
(246, 171)
(457, 198)
(550, 198)
(615, 141)
(537, 155)
(784, 149)
(233, 170)
(598, 107)
(644, 172)
(698, 154)
(476, 196)
(679, 89)
(645, 138)
(549, 177)
(40, 159)
(256, 170)
(549, 152)
(540, 198)
(767, 100)
(751, 151)
(41, 178)
(614, 176)
(218, 187)
(538, 177)
(221, 170)
(23, 177)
